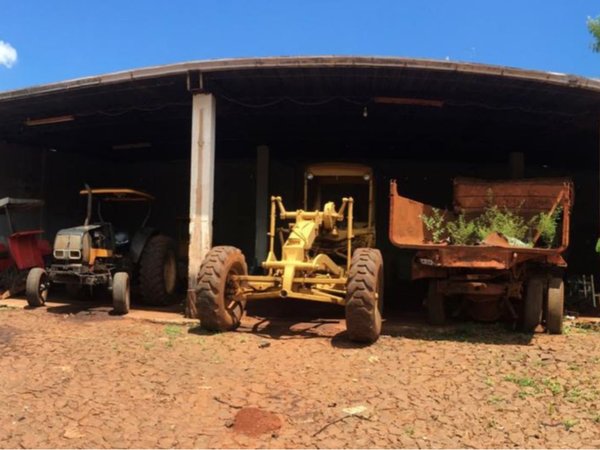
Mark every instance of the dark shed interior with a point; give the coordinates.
(422, 123)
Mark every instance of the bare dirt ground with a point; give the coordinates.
(79, 378)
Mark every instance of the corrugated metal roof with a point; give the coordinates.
(241, 64)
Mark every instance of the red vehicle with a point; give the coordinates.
(22, 249)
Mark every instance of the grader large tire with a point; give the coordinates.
(121, 293)
(555, 306)
(36, 287)
(158, 271)
(217, 307)
(534, 304)
(436, 308)
(364, 295)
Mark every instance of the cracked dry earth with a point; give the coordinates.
(93, 380)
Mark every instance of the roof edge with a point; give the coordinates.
(215, 65)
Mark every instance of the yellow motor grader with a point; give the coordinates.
(312, 265)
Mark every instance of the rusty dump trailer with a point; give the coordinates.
(494, 279)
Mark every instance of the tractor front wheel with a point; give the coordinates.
(219, 300)
(364, 295)
(36, 288)
(158, 271)
(120, 293)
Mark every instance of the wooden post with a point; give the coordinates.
(262, 204)
(201, 190)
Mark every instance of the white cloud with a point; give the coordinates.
(8, 55)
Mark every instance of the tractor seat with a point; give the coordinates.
(121, 238)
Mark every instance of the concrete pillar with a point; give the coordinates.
(262, 204)
(516, 162)
(201, 189)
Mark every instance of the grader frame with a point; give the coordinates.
(281, 279)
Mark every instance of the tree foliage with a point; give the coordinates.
(594, 28)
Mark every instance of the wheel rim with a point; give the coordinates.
(231, 289)
(43, 288)
(170, 273)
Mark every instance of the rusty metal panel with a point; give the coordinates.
(406, 226)
(527, 196)
(406, 229)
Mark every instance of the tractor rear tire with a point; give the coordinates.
(217, 308)
(158, 271)
(36, 287)
(364, 295)
(436, 305)
(555, 306)
(534, 304)
(121, 293)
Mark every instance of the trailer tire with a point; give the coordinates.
(217, 308)
(36, 287)
(436, 305)
(121, 293)
(158, 271)
(555, 306)
(534, 304)
(364, 295)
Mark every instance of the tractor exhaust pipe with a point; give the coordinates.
(283, 293)
(88, 216)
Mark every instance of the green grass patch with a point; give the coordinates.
(570, 423)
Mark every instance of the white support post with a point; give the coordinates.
(262, 204)
(201, 189)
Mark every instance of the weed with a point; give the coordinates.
(570, 423)
(574, 395)
(409, 430)
(551, 409)
(173, 330)
(554, 386)
(521, 381)
(546, 224)
(489, 382)
(462, 231)
(596, 418)
(491, 423)
(495, 399)
(148, 345)
(435, 224)
(502, 221)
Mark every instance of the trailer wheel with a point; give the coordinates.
(120, 293)
(534, 304)
(158, 271)
(555, 306)
(364, 296)
(219, 306)
(36, 287)
(436, 308)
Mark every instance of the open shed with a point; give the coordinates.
(211, 140)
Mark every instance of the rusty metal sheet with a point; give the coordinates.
(406, 228)
(529, 196)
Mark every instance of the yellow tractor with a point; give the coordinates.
(319, 261)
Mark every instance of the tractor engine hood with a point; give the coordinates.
(73, 244)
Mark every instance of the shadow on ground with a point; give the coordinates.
(284, 320)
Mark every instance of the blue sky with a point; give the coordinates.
(59, 39)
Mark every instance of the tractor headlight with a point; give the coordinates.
(309, 176)
(366, 177)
